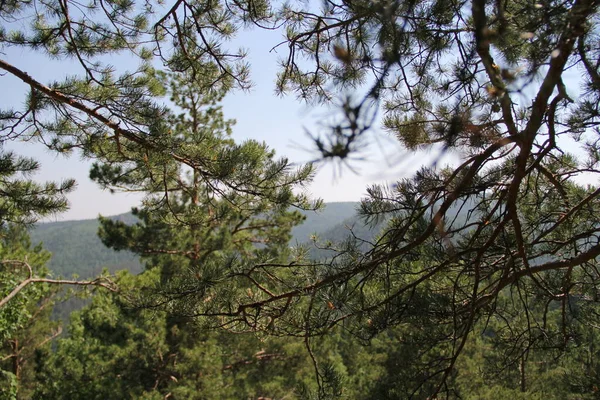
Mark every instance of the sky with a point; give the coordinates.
(280, 121)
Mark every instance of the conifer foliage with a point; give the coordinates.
(494, 83)
(503, 243)
(199, 232)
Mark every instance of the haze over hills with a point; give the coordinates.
(76, 248)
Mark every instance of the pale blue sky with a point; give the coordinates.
(279, 121)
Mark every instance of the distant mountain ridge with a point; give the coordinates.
(76, 248)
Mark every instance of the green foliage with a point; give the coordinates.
(8, 385)
(186, 239)
(25, 324)
(14, 247)
(504, 240)
(200, 232)
(23, 200)
(84, 367)
(115, 351)
(503, 244)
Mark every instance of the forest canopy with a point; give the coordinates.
(502, 244)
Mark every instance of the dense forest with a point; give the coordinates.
(127, 341)
(474, 277)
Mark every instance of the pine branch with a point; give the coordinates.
(100, 282)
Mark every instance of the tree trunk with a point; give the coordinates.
(522, 381)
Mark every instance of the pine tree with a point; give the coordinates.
(489, 83)
(193, 238)
(200, 232)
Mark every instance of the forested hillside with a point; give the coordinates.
(77, 249)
